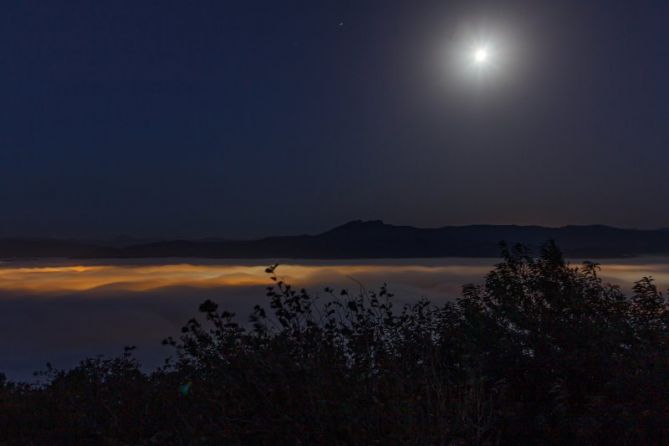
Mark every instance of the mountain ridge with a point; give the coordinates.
(367, 239)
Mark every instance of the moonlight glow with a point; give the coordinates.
(481, 55)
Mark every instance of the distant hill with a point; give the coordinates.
(370, 239)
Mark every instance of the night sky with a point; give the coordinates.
(238, 119)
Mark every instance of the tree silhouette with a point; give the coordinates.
(542, 352)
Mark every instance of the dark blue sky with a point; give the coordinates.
(215, 118)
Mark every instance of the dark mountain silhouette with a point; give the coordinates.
(371, 239)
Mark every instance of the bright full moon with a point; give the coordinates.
(481, 55)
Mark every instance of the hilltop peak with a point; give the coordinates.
(359, 225)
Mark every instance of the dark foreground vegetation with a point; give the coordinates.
(541, 353)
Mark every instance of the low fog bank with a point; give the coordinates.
(127, 305)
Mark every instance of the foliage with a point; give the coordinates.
(541, 353)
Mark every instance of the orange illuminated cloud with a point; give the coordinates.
(78, 278)
(43, 279)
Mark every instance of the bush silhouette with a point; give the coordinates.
(541, 353)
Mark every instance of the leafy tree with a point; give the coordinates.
(542, 352)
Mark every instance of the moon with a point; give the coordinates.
(481, 55)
